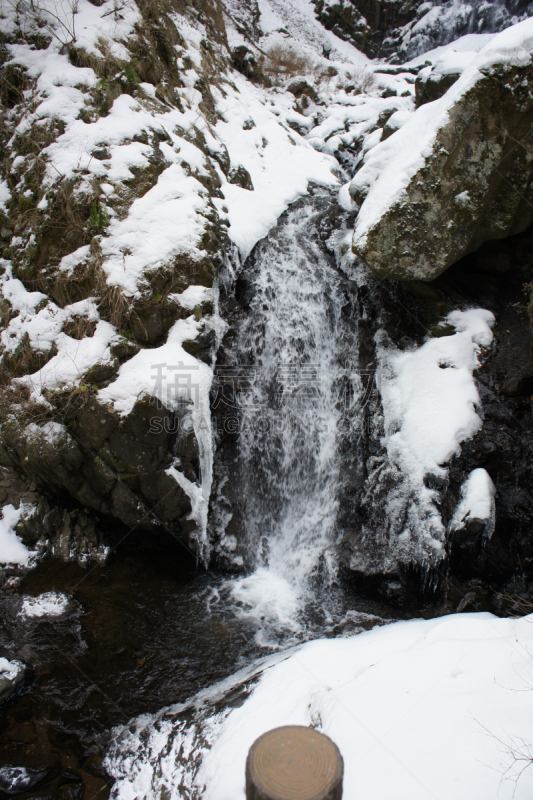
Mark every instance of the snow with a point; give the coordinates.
(10, 669)
(298, 17)
(467, 45)
(192, 296)
(430, 406)
(280, 163)
(18, 296)
(5, 195)
(477, 501)
(68, 263)
(389, 167)
(164, 221)
(419, 709)
(429, 394)
(12, 551)
(49, 604)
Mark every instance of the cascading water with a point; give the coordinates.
(292, 363)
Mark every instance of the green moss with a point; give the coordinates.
(131, 75)
(98, 218)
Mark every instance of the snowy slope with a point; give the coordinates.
(421, 710)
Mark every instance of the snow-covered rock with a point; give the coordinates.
(457, 173)
(476, 510)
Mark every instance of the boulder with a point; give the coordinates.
(458, 173)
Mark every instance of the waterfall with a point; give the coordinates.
(292, 365)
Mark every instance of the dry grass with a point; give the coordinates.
(282, 62)
(363, 80)
(16, 399)
(24, 361)
(89, 280)
(79, 327)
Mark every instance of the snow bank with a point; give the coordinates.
(49, 604)
(12, 551)
(389, 167)
(430, 402)
(420, 709)
(279, 161)
(43, 327)
(429, 394)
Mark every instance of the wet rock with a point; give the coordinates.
(357, 622)
(15, 780)
(24, 733)
(70, 792)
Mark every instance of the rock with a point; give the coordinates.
(456, 174)
(301, 87)
(16, 780)
(432, 84)
(99, 373)
(70, 792)
(241, 177)
(244, 62)
(163, 493)
(102, 154)
(49, 454)
(147, 323)
(346, 20)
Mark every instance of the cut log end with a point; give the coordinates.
(294, 763)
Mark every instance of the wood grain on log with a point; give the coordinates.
(294, 763)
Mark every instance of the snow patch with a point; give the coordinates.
(49, 604)
(429, 394)
(430, 406)
(12, 551)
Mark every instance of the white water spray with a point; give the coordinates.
(292, 346)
